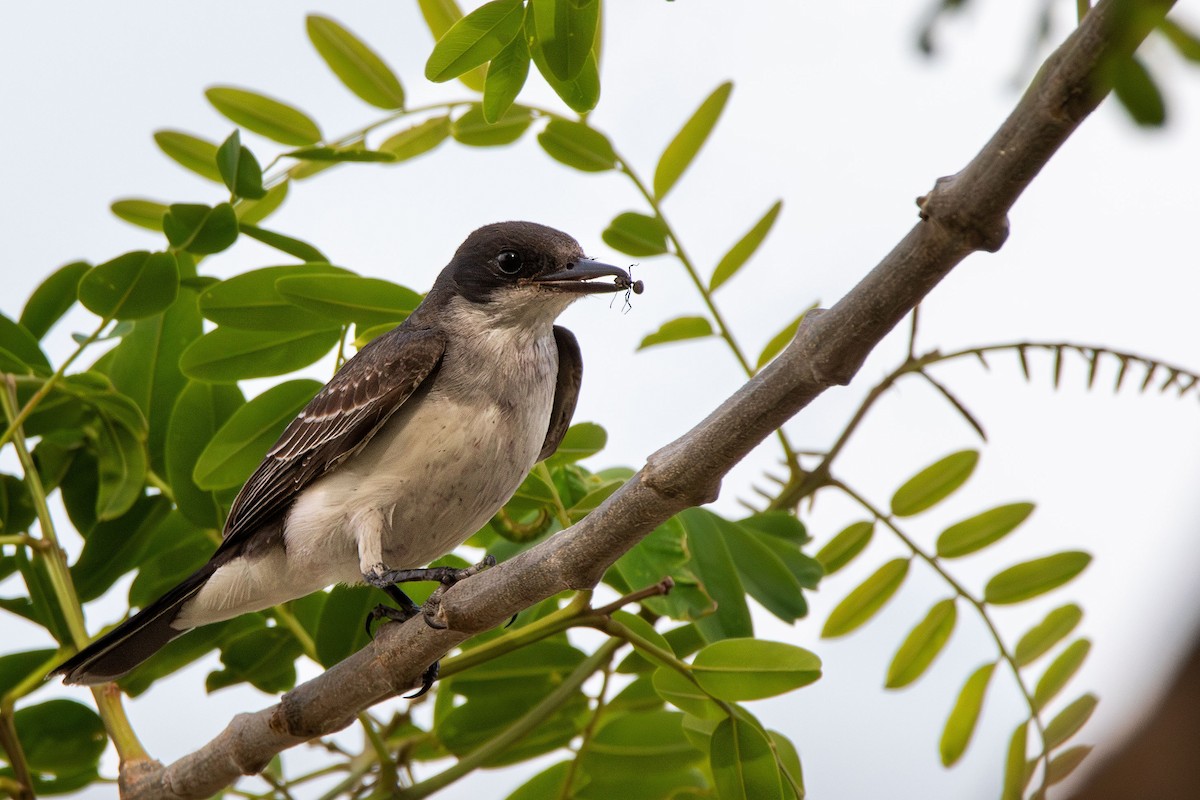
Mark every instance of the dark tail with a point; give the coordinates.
(134, 640)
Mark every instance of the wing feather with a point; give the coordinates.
(336, 423)
(566, 390)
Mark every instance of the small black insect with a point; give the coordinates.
(630, 286)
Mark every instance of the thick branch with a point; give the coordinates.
(963, 213)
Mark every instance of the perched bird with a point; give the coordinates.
(411, 447)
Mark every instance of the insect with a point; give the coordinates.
(630, 286)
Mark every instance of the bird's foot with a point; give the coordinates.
(446, 576)
(407, 610)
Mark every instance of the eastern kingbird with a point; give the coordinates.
(411, 447)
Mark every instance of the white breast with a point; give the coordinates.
(431, 477)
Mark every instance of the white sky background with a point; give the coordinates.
(836, 113)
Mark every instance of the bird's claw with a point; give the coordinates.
(427, 678)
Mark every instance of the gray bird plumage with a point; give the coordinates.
(407, 451)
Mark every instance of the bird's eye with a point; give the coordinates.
(509, 262)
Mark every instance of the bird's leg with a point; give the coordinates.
(407, 610)
(446, 576)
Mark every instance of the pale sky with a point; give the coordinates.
(833, 111)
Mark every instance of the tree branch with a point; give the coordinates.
(964, 213)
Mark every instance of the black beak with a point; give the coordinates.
(580, 277)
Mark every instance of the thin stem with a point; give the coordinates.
(519, 729)
(962, 592)
(48, 385)
(22, 787)
(588, 731)
(107, 696)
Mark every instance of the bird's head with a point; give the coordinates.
(525, 272)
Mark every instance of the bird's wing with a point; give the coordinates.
(566, 390)
(336, 424)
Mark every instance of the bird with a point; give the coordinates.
(410, 448)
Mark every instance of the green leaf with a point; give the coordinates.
(713, 565)
(979, 531)
(934, 483)
(131, 286)
(961, 723)
(16, 667)
(250, 301)
(473, 130)
(743, 763)
(41, 606)
(252, 212)
(636, 234)
(238, 446)
(356, 64)
(583, 439)
(1066, 762)
(664, 552)
(1137, 92)
(547, 783)
(1057, 625)
(341, 154)
(286, 244)
(861, 604)
(239, 168)
(200, 229)
(642, 743)
(190, 152)
(781, 340)
(340, 631)
(841, 549)
(177, 549)
(678, 330)
(19, 343)
(1061, 670)
(547, 661)
(17, 512)
(1070, 720)
(145, 366)
(60, 736)
(122, 467)
(440, 16)
(475, 39)
(117, 546)
(687, 143)
(1185, 41)
(506, 75)
(263, 658)
(789, 764)
(227, 355)
(751, 669)
(1031, 578)
(580, 146)
(684, 694)
(186, 649)
(50, 300)
(264, 115)
(565, 33)
(146, 214)
(349, 298)
(922, 645)
(1016, 770)
(420, 138)
(200, 411)
(763, 564)
(741, 252)
(582, 92)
